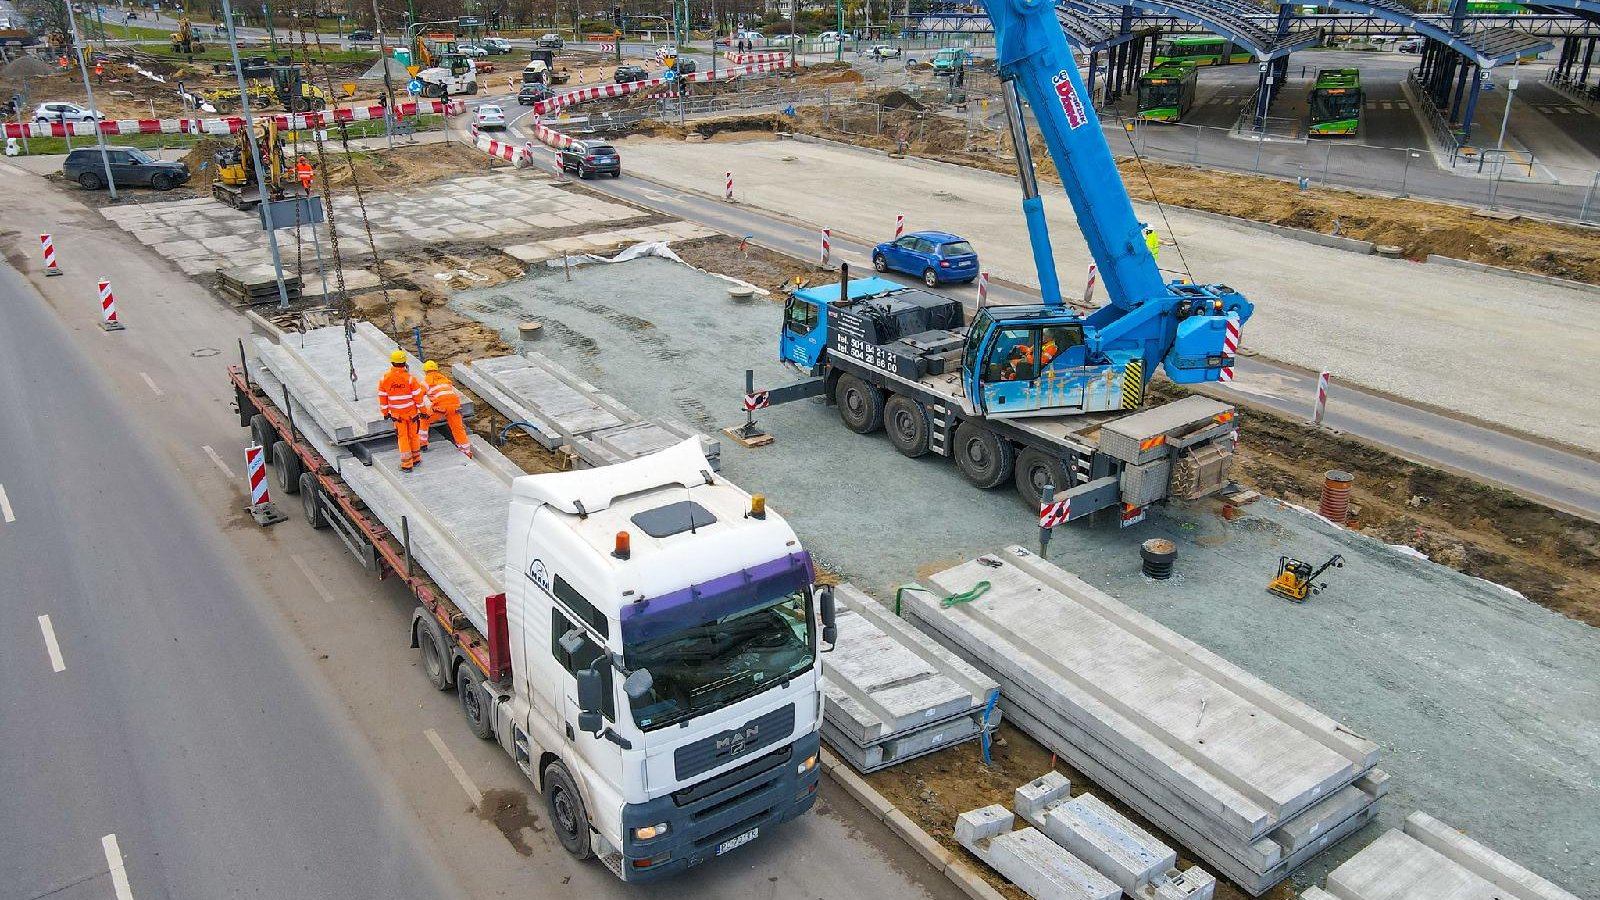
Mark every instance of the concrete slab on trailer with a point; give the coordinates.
(1432, 861)
(1029, 860)
(316, 366)
(455, 509)
(562, 410)
(1244, 753)
(886, 678)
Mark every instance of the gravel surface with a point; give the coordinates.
(1484, 345)
(1484, 703)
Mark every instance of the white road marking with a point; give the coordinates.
(119, 872)
(473, 794)
(5, 506)
(148, 380)
(217, 459)
(50, 645)
(316, 583)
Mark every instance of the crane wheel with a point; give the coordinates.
(906, 422)
(1035, 469)
(985, 458)
(860, 404)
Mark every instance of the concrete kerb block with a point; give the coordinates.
(971, 882)
(1108, 841)
(1435, 259)
(982, 824)
(920, 840)
(1031, 799)
(874, 802)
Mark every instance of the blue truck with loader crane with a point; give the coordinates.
(1037, 393)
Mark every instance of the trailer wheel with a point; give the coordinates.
(982, 456)
(474, 701)
(1035, 469)
(567, 814)
(431, 643)
(906, 422)
(311, 501)
(261, 432)
(860, 404)
(288, 467)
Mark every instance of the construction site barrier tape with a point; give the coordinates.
(228, 124)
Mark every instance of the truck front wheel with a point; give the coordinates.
(860, 404)
(567, 814)
(983, 457)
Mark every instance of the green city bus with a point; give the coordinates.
(1336, 102)
(1166, 92)
(1200, 50)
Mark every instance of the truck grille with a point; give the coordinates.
(708, 753)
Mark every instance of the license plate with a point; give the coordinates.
(737, 842)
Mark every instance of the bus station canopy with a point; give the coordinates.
(1487, 48)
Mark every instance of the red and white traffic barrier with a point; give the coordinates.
(229, 124)
(511, 153)
(1322, 399)
(599, 91)
(255, 469)
(1230, 347)
(50, 266)
(1088, 290)
(827, 246)
(899, 226)
(108, 308)
(983, 288)
(727, 186)
(740, 59)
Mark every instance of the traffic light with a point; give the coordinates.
(616, 14)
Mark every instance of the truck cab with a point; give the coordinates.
(666, 690)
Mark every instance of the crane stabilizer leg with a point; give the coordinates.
(1044, 260)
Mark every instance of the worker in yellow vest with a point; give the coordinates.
(446, 404)
(1152, 241)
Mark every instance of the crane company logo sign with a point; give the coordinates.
(1070, 104)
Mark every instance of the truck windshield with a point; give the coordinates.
(714, 663)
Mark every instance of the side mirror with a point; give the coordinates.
(638, 683)
(830, 629)
(591, 697)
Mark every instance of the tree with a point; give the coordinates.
(53, 14)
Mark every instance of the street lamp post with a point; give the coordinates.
(100, 137)
(1511, 92)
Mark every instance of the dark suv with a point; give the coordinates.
(532, 92)
(684, 66)
(591, 159)
(625, 74)
(129, 166)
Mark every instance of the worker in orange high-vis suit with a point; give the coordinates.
(403, 398)
(446, 407)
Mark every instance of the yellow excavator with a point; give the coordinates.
(184, 41)
(240, 182)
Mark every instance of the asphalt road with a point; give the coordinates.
(1563, 479)
(156, 703)
(241, 706)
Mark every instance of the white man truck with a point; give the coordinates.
(651, 663)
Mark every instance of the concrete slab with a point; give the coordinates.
(1246, 754)
(1467, 853)
(886, 678)
(1107, 840)
(1030, 860)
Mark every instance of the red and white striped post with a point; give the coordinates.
(983, 288)
(255, 471)
(1088, 290)
(1322, 398)
(827, 246)
(51, 267)
(108, 308)
(1230, 347)
(899, 226)
(727, 186)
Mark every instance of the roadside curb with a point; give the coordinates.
(960, 874)
(1435, 259)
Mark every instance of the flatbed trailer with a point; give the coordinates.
(328, 502)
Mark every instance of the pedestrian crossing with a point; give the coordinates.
(1388, 104)
(1562, 109)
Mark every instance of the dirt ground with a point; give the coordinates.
(1550, 557)
(756, 265)
(1418, 227)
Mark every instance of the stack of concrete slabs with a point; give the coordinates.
(563, 412)
(892, 693)
(1250, 779)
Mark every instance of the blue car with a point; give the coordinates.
(934, 256)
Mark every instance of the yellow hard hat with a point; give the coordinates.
(430, 366)
(398, 357)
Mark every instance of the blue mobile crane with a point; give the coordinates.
(1038, 392)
